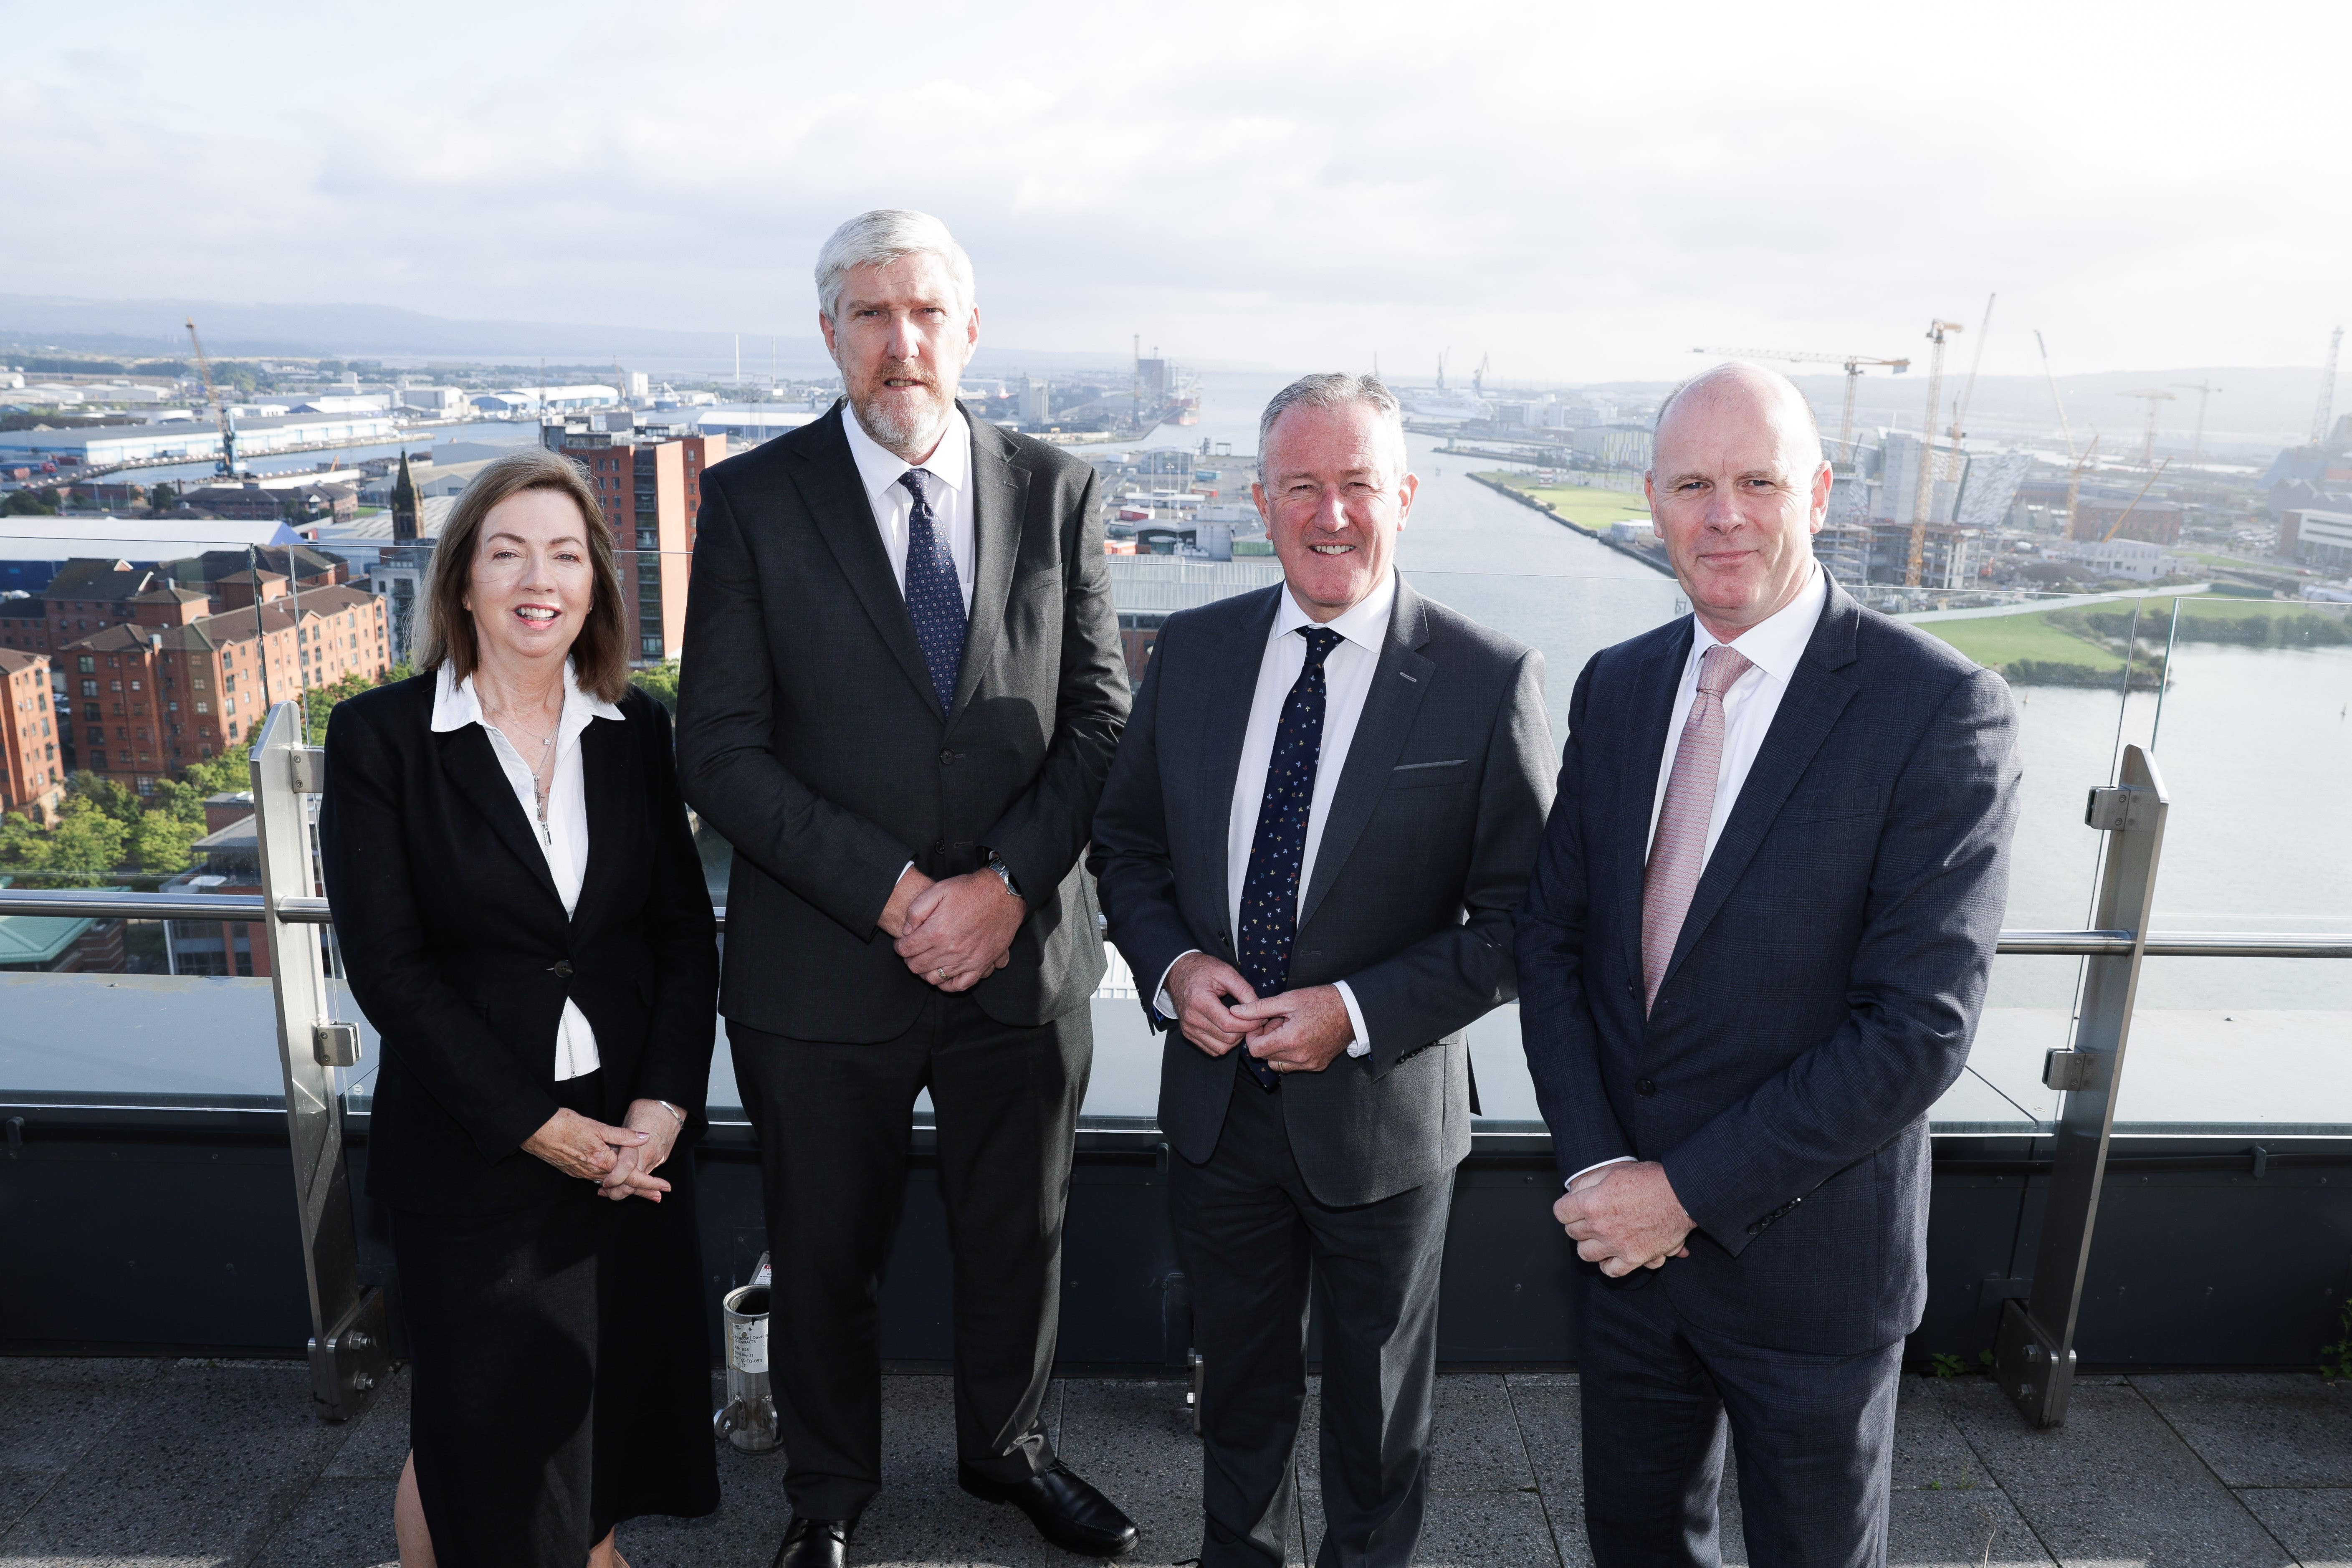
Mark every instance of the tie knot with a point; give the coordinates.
(913, 479)
(1720, 667)
(1320, 641)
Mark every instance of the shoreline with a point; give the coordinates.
(1644, 556)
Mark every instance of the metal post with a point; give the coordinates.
(348, 1354)
(2033, 1356)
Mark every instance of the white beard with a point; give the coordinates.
(907, 426)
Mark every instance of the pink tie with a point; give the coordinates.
(1679, 851)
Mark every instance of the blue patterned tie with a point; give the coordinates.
(1279, 849)
(934, 593)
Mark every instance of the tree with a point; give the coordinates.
(29, 503)
(319, 702)
(81, 851)
(165, 842)
(660, 683)
(162, 498)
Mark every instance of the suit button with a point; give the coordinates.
(946, 757)
(1647, 1086)
(561, 967)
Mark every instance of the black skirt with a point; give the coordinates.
(560, 1368)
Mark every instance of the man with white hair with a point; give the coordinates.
(902, 687)
(1310, 846)
(1752, 956)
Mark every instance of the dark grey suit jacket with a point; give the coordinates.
(1424, 854)
(1825, 986)
(810, 736)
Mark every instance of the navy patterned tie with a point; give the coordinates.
(1279, 849)
(934, 593)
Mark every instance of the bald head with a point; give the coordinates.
(1737, 487)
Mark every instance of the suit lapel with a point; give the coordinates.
(1655, 681)
(1808, 709)
(1399, 683)
(826, 477)
(1000, 495)
(608, 767)
(1224, 697)
(471, 763)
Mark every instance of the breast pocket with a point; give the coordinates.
(1426, 776)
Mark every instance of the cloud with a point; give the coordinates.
(1581, 191)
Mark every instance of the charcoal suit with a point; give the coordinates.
(1340, 1181)
(811, 735)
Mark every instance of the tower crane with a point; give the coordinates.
(2204, 391)
(2152, 396)
(1853, 365)
(2065, 427)
(1923, 501)
(219, 403)
(2325, 415)
(1478, 376)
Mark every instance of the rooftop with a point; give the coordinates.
(106, 1463)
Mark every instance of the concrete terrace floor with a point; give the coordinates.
(175, 1463)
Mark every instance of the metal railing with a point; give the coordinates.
(2033, 1358)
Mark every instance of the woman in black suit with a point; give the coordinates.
(522, 915)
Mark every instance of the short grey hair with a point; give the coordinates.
(1749, 371)
(1333, 389)
(877, 239)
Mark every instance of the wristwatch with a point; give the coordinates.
(1003, 873)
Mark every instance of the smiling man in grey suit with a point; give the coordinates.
(1309, 848)
(1751, 958)
(902, 686)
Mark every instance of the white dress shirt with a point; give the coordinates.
(948, 489)
(1774, 645)
(563, 837)
(1348, 672)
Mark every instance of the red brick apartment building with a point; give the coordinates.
(32, 772)
(187, 674)
(650, 485)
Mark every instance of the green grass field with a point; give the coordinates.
(1996, 640)
(1584, 505)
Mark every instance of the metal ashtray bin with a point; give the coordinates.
(749, 1418)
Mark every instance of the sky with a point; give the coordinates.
(1578, 192)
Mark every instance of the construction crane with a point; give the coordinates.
(2153, 397)
(1853, 365)
(2065, 427)
(2117, 527)
(2204, 391)
(1478, 376)
(1924, 502)
(1959, 428)
(217, 403)
(2074, 481)
(2324, 416)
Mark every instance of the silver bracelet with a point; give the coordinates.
(673, 1109)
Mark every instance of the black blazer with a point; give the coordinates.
(457, 948)
(1440, 803)
(1826, 983)
(810, 736)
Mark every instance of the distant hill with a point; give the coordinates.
(131, 329)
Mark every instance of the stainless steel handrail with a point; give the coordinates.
(102, 904)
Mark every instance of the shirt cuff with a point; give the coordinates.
(1620, 1160)
(1361, 1045)
(1159, 999)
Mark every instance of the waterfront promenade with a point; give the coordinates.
(193, 1464)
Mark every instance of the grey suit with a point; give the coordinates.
(1821, 994)
(1423, 858)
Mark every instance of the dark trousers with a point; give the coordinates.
(1814, 1435)
(833, 1122)
(1251, 1238)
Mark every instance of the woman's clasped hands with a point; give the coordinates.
(620, 1160)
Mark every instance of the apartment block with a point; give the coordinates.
(648, 479)
(32, 773)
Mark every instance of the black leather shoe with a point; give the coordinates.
(814, 1543)
(1065, 1509)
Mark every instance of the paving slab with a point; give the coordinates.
(1975, 1527)
(2261, 1429)
(60, 1408)
(19, 1490)
(377, 1443)
(1133, 1438)
(1544, 1407)
(1929, 1450)
(342, 1523)
(744, 1532)
(216, 1458)
(2116, 1483)
(1487, 1529)
(2313, 1524)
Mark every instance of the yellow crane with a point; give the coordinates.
(1923, 501)
(1853, 365)
(217, 403)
